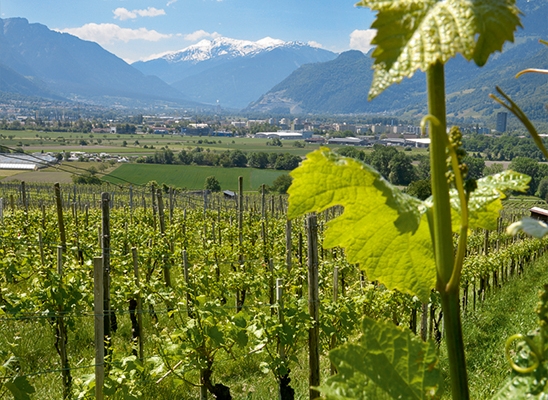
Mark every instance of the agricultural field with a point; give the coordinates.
(135, 143)
(113, 143)
(138, 145)
(189, 177)
(192, 176)
(202, 291)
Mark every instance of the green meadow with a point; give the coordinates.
(192, 176)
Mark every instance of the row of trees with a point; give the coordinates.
(402, 170)
(235, 158)
(502, 148)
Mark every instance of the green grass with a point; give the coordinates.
(505, 312)
(192, 176)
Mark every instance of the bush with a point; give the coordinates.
(281, 184)
(212, 184)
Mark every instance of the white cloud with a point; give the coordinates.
(312, 43)
(151, 12)
(361, 39)
(110, 33)
(170, 2)
(123, 13)
(201, 34)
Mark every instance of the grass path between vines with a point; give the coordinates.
(506, 311)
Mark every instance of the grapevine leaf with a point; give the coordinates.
(497, 22)
(381, 227)
(391, 357)
(416, 34)
(522, 387)
(215, 334)
(20, 388)
(485, 203)
(531, 226)
(531, 382)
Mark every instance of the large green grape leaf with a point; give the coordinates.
(415, 34)
(485, 203)
(393, 358)
(381, 228)
(20, 388)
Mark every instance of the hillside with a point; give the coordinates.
(42, 62)
(337, 87)
(340, 86)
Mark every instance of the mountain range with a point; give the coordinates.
(232, 72)
(268, 75)
(35, 60)
(341, 86)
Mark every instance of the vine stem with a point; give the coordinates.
(443, 235)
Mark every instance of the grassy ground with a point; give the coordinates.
(193, 176)
(507, 311)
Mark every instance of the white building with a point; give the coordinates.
(349, 141)
(22, 161)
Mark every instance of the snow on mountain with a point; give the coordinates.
(224, 47)
(234, 72)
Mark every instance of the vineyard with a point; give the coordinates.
(138, 292)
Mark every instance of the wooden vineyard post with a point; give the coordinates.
(41, 244)
(131, 203)
(24, 198)
(263, 201)
(240, 213)
(271, 284)
(99, 327)
(1, 210)
(61, 340)
(153, 189)
(424, 322)
(240, 294)
(190, 313)
(284, 380)
(264, 232)
(170, 205)
(138, 332)
(161, 216)
(59, 203)
(205, 202)
(110, 318)
(313, 306)
(333, 342)
(288, 248)
(43, 208)
(486, 243)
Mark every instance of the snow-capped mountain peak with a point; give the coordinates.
(224, 47)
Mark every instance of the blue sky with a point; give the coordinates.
(137, 29)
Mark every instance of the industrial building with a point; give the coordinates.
(26, 161)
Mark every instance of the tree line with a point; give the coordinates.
(228, 159)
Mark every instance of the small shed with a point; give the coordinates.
(539, 213)
(229, 194)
